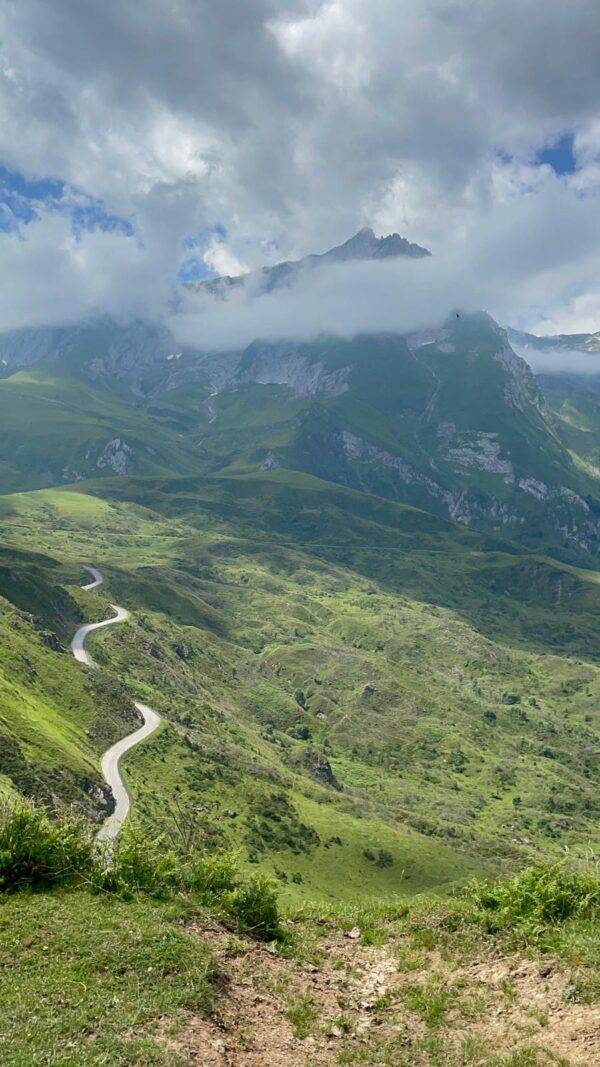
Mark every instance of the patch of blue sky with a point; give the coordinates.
(194, 269)
(203, 238)
(560, 155)
(22, 200)
(92, 215)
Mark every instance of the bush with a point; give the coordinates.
(253, 905)
(537, 899)
(36, 850)
(135, 865)
(212, 876)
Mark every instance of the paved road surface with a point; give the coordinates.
(95, 573)
(111, 759)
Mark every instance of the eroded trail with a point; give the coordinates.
(110, 763)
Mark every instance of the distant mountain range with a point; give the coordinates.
(565, 342)
(451, 420)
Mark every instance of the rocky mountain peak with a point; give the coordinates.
(365, 245)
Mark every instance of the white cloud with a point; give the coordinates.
(53, 277)
(293, 122)
(220, 259)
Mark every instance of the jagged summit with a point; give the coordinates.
(364, 245)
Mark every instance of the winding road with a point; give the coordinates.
(111, 759)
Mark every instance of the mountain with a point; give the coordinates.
(454, 423)
(363, 246)
(100, 348)
(451, 420)
(371, 711)
(570, 342)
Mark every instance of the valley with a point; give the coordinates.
(355, 680)
(362, 592)
(346, 684)
(299, 534)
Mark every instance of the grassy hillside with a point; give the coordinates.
(575, 403)
(360, 697)
(56, 428)
(171, 957)
(55, 721)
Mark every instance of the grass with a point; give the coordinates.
(451, 689)
(56, 427)
(430, 1000)
(302, 1013)
(105, 959)
(114, 962)
(97, 978)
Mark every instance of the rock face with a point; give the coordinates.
(270, 462)
(287, 364)
(481, 450)
(183, 651)
(117, 455)
(101, 347)
(51, 641)
(319, 768)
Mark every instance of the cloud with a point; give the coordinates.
(291, 123)
(54, 276)
(526, 273)
(560, 360)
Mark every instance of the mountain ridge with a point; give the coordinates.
(452, 421)
(363, 245)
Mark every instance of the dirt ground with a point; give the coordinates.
(364, 1004)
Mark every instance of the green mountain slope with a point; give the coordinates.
(54, 720)
(450, 421)
(363, 698)
(56, 429)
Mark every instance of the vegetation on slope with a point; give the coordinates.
(55, 721)
(154, 959)
(56, 428)
(359, 697)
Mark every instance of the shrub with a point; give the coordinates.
(212, 876)
(253, 906)
(537, 899)
(36, 850)
(135, 865)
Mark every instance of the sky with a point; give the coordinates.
(145, 144)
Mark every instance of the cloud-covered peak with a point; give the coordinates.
(282, 122)
(363, 246)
